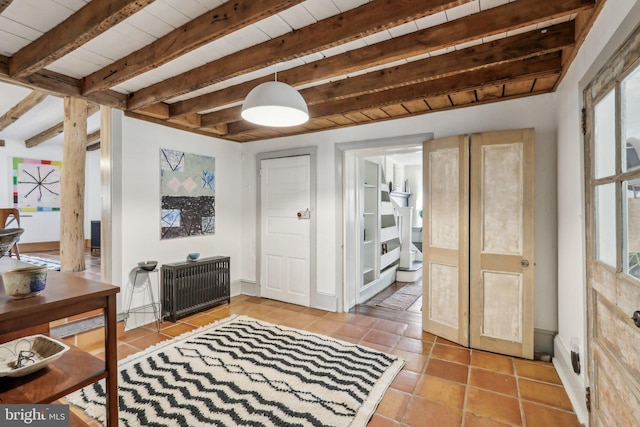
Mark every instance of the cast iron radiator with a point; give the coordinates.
(191, 286)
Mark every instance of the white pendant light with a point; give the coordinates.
(275, 104)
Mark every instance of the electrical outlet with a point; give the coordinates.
(575, 362)
(575, 354)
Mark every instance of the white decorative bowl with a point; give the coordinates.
(148, 265)
(26, 355)
(24, 282)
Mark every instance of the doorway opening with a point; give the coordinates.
(382, 203)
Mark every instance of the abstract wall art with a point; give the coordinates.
(36, 184)
(187, 193)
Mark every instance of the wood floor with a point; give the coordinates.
(369, 308)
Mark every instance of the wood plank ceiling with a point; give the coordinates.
(189, 64)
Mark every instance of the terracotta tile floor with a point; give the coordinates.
(442, 384)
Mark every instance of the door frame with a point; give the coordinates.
(345, 213)
(315, 299)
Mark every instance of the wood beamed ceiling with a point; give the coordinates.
(372, 60)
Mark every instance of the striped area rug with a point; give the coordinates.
(49, 263)
(241, 371)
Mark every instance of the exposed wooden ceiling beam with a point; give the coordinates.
(54, 130)
(514, 48)
(347, 26)
(223, 20)
(93, 137)
(87, 23)
(45, 135)
(4, 4)
(539, 67)
(21, 108)
(584, 22)
(518, 47)
(493, 21)
(151, 119)
(93, 141)
(1, 142)
(60, 85)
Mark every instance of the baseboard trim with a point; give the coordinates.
(38, 247)
(44, 246)
(251, 288)
(543, 341)
(387, 277)
(572, 383)
(245, 287)
(324, 302)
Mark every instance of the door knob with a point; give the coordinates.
(524, 263)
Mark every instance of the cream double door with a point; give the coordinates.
(478, 243)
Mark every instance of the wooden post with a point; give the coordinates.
(72, 244)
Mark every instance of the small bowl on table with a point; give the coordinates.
(193, 256)
(24, 282)
(148, 265)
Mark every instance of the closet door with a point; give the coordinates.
(445, 310)
(502, 242)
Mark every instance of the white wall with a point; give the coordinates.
(414, 174)
(538, 112)
(597, 48)
(45, 226)
(140, 200)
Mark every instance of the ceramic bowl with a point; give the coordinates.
(24, 282)
(8, 237)
(26, 355)
(193, 256)
(148, 265)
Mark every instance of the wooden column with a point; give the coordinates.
(72, 243)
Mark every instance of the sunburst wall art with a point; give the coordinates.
(36, 184)
(187, 194)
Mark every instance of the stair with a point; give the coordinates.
(410, 274)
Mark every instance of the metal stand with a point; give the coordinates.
(155, 305)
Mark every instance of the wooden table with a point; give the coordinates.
(65, 295)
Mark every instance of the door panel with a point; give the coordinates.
(446, 238)
(612, 196)
(285, 237)
(502, 242)
(615, 370)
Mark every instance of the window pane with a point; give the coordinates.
(632, 226)
(604, 150)
(631, 120)
(605, 218)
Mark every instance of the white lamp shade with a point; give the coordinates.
(275, 104)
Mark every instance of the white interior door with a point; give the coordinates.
(285, 198)
(502, 242)
(446, 238)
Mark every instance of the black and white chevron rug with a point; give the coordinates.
(245, 372)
